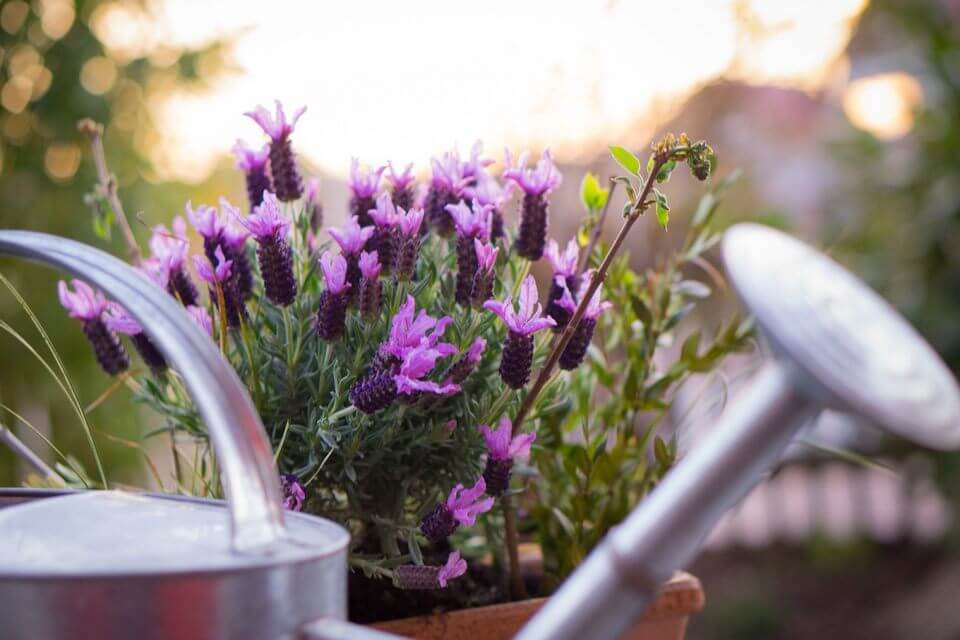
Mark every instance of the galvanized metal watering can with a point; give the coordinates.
(115, 565)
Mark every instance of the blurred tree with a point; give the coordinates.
(55, 68)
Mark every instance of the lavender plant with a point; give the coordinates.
(379, 358)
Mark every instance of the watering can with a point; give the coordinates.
(117, 565)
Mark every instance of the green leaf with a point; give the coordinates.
(663, 209)
(626, 160)
(688, 352)
(661, 452)
(664, 174)
(631, 192)
(592, 195)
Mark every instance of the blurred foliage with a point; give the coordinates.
(601, 455)
(908, 189)
(55, 70)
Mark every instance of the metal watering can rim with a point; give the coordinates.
(250, 478)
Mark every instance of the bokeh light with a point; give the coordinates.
(883, 104)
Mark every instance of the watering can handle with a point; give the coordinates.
(250, 478)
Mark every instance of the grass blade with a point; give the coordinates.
(66, 385)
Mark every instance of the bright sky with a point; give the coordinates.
(406, 80)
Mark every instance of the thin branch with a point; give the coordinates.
(108, 183)
(510, 523)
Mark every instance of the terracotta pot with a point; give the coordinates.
(665, 620)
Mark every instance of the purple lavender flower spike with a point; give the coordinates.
(576, 349)
(314, 207)
(253, 163)
(417, 363)
(467, 362)
(409, 354)
(471, 223)
(270, 228)
(461, 507)
(233, 241)
(352, 238)
(482, 287)
(220, 282)
(294, 494)
(502, 450)
(409, 224)
(384, 239)
(409, 330)
(471, 168)
(202, 318)
(488, 191)
(402, 190)
(332, 311)
(447, 186)
(564, 277)
(422, 577)
(517, 357)
(88, 306)
(370, 289)
(454, 568)
(536, 183)
(169, 253)
(119, 321)
(364, 186)
(283, 166)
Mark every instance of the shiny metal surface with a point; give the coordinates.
(249, 477)
(826, 357)
(860, 353)
(26, 454)
(115, 565)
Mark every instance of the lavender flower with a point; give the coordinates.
(370, 288)
(482, 288)
(270, 228)
(381, 387)
(363, 187)
(418, 576)
(467, 362)
(408, 242)
(167, 265)
(502, 450)
(461, 507)
(401, 185)
(221, 230)
(564, 277)
(384, 239)
(283, 166)
(446, 187)
(471, 223)
(222, 285)
(294, 494)
(332, 312)
(487, 191)
(409, 329)
(471, 168)
(119, 321)
(202, 318)
(314, 208)
(352, 239)
(253, 163)
(87, 306)
(576, 349)
(517, 357)
(536, 183)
